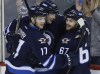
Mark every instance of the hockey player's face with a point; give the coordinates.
(70, 23)
(40, 21)
(51, 17)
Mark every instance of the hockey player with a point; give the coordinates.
(74, 42)
(11, 31)
(54, 21)
(32, 53)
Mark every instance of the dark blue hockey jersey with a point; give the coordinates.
(74, 44)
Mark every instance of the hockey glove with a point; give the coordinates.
(81, 22)
(12, 42)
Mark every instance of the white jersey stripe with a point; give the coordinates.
(47, 61)
(53, 64)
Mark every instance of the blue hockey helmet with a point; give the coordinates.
(36, 11)
(49, 7)
(74, 14)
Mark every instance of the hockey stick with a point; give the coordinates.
(18, 4)
(82, 36)
(27, 5)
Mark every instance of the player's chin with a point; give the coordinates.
(51, 21)
(41, 26)
(68, 28)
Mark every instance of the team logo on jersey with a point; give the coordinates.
(49, 37)
(42, 40)
(65, 40)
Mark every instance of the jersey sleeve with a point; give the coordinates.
(11, 27)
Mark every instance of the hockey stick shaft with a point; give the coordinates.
(27, 5)
(18, 4)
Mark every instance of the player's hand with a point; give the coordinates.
(12, 41)
(12, 36)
